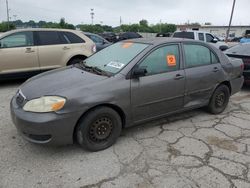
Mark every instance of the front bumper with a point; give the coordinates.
(44, 128)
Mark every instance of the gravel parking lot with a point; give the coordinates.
(192, 149)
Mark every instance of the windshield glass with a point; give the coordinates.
(115, 57)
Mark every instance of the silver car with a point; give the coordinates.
(125, 84)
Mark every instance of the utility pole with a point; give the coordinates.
(160, 26)
(230, 22)
(92, 16)
(8, 17)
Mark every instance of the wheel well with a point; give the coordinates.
(227, 83)
(114, 107)
(77, 57)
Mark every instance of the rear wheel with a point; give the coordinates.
(219, 99)
(99, 129)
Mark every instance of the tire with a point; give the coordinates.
(99, 129)
(75, 61)
(219, 100)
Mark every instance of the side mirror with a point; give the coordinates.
(214, 40)
(223, 47)
(138, 72)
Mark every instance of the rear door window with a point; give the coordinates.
(198, 55)
(184, 34)
(48, 38)
(19, 39)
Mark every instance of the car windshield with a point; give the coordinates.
(115, 57)
(240, 49)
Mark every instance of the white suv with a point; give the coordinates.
(202, 36)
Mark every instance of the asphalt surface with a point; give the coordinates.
(191, 149)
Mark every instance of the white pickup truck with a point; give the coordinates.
(203, 36)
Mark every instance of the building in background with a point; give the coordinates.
(235, 31)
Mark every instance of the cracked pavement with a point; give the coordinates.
(191, 149)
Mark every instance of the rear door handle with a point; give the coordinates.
(215, 69)
(66, 48)
(178, 77)
(29, 50)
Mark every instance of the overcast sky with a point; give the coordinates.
(131, 11)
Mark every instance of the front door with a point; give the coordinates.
(18, 53)
(161, 90)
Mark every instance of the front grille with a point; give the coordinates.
(20, 98)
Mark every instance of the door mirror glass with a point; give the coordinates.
(223, 47)
(139, 71)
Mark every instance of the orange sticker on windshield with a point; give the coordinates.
(127, 44)
(171, 61)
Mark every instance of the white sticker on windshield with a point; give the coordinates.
(115, 64)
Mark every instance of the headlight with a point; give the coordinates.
(45, 104)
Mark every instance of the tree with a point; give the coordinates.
(144, 23)
(4, 26)
(62, 23)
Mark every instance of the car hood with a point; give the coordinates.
(57, 81)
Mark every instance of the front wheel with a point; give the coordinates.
(219, 100)
(99, 129)
(75, 61)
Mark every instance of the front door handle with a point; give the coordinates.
(178, 77)
(66, 48)
(215, 69)
(29, 50)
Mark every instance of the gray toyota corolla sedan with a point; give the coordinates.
(125, 84)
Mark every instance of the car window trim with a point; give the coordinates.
(129, 75)
(201, 44)
(20, 46)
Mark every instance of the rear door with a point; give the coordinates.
(18, 53)
(161, 90)
(51, 49)
(203, 72)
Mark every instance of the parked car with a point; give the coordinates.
(202, 36)
(163, 35)
(26, 52)
(109, 36)
(99, 41)
(128, 35)
(242, 51)
(125, 84)
(245, 39)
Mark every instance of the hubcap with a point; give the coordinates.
(220, 99)
(100, 129)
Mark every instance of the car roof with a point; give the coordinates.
(160, 40)
(193, 31)
(38, 29)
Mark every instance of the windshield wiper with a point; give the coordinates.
(92, 69)
(99, 71)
